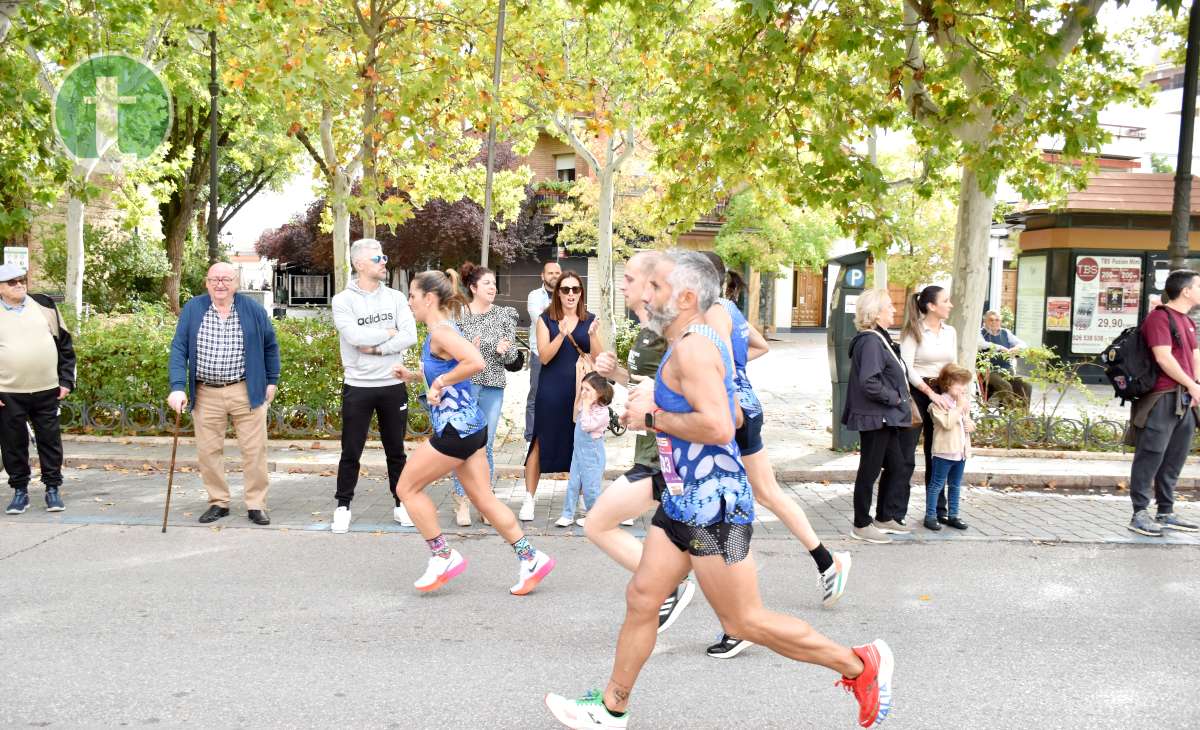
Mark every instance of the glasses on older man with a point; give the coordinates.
(377, 259)
(19, 281)
(220, 280)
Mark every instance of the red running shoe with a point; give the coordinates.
(872, 688)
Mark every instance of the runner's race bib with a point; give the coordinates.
(666, 464)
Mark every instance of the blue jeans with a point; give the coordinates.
(490, 400)
(587, 472)
(944, 472)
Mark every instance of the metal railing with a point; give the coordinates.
(1015, 428)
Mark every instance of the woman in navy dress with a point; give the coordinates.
(553, 425)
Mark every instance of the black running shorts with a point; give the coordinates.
(640, 472)
(458, 447)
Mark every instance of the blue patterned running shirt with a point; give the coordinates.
(714, 479)
(458, 406)
(740, 339)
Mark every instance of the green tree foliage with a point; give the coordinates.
(387, 90)
(123, 270)
(32, 168)
(786, 95)
(764, 233)
(633, 217)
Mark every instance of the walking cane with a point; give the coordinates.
(171, 471)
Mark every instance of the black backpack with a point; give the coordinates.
(1129, 363)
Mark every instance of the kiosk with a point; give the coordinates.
(1097, 265)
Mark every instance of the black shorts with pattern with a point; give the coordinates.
(729, 540)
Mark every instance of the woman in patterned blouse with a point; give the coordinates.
(494, 331)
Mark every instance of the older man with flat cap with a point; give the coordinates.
(37, 370)
(225, 361)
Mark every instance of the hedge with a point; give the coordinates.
(122, 361)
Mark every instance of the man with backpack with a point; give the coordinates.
(1163, 421)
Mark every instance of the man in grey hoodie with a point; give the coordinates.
(375, 327)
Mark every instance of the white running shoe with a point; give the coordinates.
(564, 522)
(581, 521)
(627, 523)
(532, 572)
(341, 521)
(528, 508)
(586, 712)
(675, 603)
(439, 571)
(833, 581)
(399, 514)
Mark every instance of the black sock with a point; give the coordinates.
(343, 503)
(613, 712)
(822, 556)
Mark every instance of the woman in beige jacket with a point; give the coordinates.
(952, 429)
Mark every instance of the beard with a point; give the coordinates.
(660, 319)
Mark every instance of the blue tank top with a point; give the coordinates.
(740, 339)
(714, 479)
(458, 406)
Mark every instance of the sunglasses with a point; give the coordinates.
(378, 259)
(19, 281)
(569, 289)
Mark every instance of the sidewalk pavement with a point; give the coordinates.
(305, 502)
(990, 467)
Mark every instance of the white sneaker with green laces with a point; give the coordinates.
(833, 581)
(586, 712)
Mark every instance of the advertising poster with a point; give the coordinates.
(1031, 299)
(1108, 290)
(1058, 314)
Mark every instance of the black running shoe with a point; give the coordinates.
(674, 605)
(728, 647)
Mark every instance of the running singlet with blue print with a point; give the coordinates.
(457, 406)
(740, 339)
(714, 480)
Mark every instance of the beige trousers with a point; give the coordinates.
(211, 413)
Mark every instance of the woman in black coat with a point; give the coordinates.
(878, 406)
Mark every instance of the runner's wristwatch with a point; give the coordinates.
(650, 419)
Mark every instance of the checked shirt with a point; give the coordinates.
(220, 348)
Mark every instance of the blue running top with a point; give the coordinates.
(714, 479)
(458, 406)
(740, 339)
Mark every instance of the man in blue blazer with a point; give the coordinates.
(225, 361)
